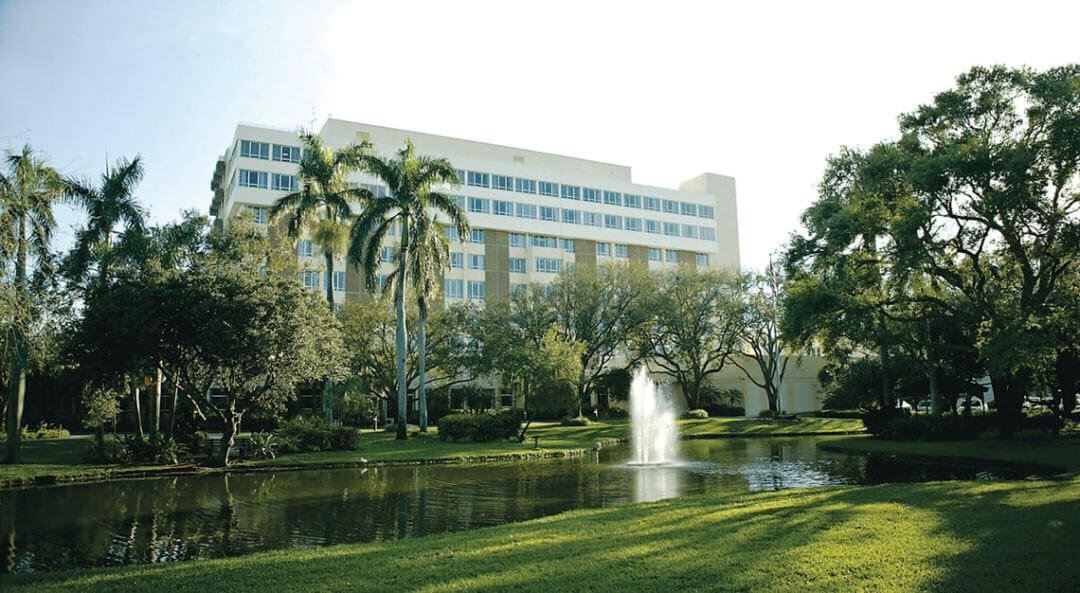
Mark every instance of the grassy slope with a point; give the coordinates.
(1061, 452)
(944, 536)
(61, 458)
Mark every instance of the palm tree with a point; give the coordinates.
(430, 255)
(27, 193)
(110, 205)
(321, 208)
(410, 202)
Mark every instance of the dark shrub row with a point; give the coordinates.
(482, 427)
(309, 435)
(901, 425)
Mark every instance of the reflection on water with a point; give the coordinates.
(169, 519)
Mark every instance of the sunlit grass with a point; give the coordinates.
(945, 536)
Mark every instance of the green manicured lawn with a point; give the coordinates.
(1061, 452)
(945, 536)
(60, 458)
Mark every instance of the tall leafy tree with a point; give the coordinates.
(28, 188)
(410, 202)
(761, 336)
(322, 209)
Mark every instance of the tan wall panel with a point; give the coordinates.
(496, 266)
(584, 252)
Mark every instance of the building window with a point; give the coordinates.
(454, 289)
(516, 288)
(603, 249)
(259, 214)
(654, 254)
(526, 210)
(476, 261)
(286, 154)
(450, 232)
(612, 222)
(631, 201)
(253, 178)
(571, 216)
(461, 175)
(706, 212)
(525, 186)
(310, 279)
(255, 150)
(548, 265)
(517, 240)
(652, 203)
(517, 265)
(708, 233)
(284, 182)
(388, 254)
(460, 201)
(567, 245)
(476, 236)
(477, 179)
(548, 188)
(613, 198)
(688, 209)
(476, 290)
(549, 213)
(503, 182)
(672, 256)
(633, 224)
(571, 192)
(622, 251)
(591, 195)
(689, 231)
(339, 281)
(591, 218)
(305, 248)
(457, 259)
(542, 241)
(671, 207)
(502, 208)
(671, 228)
(652, 226)
(481, 205)
(702, 260)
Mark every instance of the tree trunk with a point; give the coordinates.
(155, 406)
(16, 398)
(328, 385)
(175, 402)
(1008, 397)
(228, 436)
(400, 344)
(421, 347)
(138, 410)
(887, 398)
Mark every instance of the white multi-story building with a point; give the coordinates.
(532, 213)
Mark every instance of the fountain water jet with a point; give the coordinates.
(653, 437)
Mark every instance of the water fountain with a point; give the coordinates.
(653, 437)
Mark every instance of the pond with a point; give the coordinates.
(179, 518)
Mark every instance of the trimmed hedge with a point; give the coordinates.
(695, 414)
(901, 425)
(578, 421)
(482, 427)
(310, 435)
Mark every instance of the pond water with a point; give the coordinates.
(179, 518)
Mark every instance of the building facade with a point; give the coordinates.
(532, 213)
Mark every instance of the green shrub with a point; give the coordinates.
(482, 427)
(311, 435)
(698, 414)
(838, 414)
(766, 414)
(578, 421)
(163, 449)
(109, 452)
(901, 425)
(44, 431)
(345, 438)
(263, 445)
(722, 410)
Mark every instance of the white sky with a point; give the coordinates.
(762, 92)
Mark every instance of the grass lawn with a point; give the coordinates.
(944, 536)
(59, 459)
(1060, 452)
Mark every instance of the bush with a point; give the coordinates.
(720, 410)
(900, 425)
(766, 414)
(578, 421)
(838, 414)
(486, 426)
(44, 431)
(311, 435)
(695, 414)
(163, 449)
(263, 445)
(109, 452)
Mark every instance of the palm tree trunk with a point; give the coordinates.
(399, 298)
(17, 379)
(155, 406)
(421, 348)
(328, 385)
(138, 410)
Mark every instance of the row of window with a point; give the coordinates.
(587, 194)
(584, 217)
(266, 151)
(455, 289)
(311, 279)
(259, 180)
